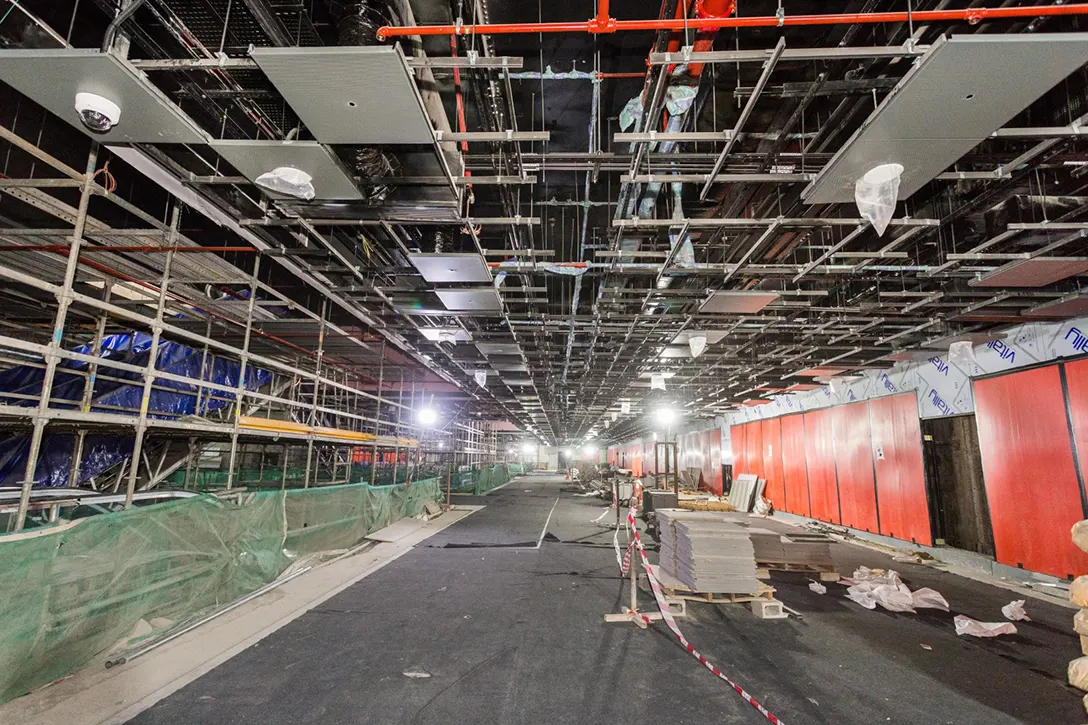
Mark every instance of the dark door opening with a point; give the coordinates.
(958, 510)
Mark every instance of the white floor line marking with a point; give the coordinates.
(546, 522)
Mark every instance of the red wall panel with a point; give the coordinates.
(900, 475)
(737, 434)
(772, 461)
(820, 460)
(1027, 462)
(1076, 375)
(794, 469)
(854, 466)
(753, 448)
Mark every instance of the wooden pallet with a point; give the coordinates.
(677, 591)
(827, 572)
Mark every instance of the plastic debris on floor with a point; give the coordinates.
(870, 587)
(817, 587)
(966, 625)
(1014, 611)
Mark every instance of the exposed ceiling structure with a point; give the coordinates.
(541, 218)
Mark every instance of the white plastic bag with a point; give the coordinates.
(966, 625)
(1080, 622)
(481, 378)
(1078, 591)
(876, 194)
(657, 381)
(817, 587)
(288, 180)
(1080, 535)
(625, 407)
(697, 343)
(962, 354)
(1014, 611)
(926, 598)
(1078, 673)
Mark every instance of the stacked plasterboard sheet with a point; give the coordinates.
(706, 552)
(742, 493)
(800, 548)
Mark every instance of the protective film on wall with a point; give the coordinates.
(942, 387)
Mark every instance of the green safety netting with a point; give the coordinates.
(71, 592)
(480, 480)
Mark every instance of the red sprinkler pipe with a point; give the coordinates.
(970, 15)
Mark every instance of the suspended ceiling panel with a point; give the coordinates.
(451, 267)
(498, 348)
(1071, 307)
(737, 302)
(53, 77)
(472, 299)
(253, 158)
(956, 95)
(518, 382)
(674, 352)
(1037, 272)
(354, 95)
(510, 367)
(684, 338)
(446, 334)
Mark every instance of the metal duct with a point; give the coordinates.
(358, 25)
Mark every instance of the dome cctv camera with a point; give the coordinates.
(98, 114)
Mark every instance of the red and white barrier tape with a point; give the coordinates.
(624, 559)
(666, 614)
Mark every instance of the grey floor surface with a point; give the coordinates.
(512, 635)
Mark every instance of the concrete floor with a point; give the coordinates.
(511, 634)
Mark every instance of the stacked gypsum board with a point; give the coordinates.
(707, 553)
(741, 492)
(799, 549)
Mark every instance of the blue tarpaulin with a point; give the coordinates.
(119, 395)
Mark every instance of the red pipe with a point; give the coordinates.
(705, 41)
(970, 15)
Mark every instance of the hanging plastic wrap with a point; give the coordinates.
(685, 254)
(697, 343)
(678, 99)
(568, 270)
(625, 407)
(631, 113)
(615, 415)
(657, 381)
(876, 194)
(288, 180)
(962, 354)
(481, 378)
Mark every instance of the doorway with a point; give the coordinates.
(958, 510)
